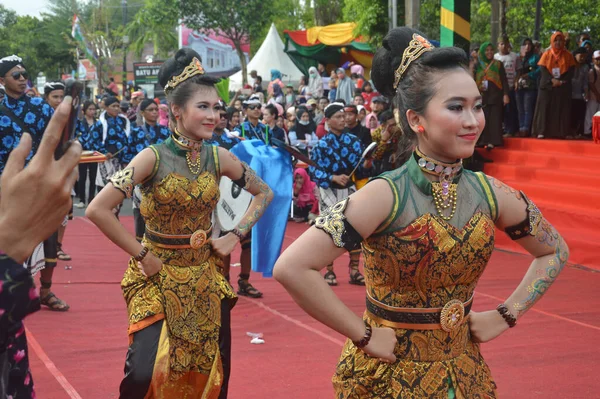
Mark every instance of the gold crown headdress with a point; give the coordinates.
(194, 68)
(417, 46)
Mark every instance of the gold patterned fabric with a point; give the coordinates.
(419, 260)
(188, 291)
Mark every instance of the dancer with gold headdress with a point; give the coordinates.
(177, 297)
(427, 233)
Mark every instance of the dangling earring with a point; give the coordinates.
(420, 129)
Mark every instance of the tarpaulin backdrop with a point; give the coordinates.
(274, 166)
(329, 45)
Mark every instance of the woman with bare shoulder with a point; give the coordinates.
(427, 233)
(178, 301)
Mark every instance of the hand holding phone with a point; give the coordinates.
(73, 88)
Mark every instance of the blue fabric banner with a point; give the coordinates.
(274, 166)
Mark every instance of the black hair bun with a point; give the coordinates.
(176, 64)
(388, 58)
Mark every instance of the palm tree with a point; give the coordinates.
(156, 23)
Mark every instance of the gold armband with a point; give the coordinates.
(333, 222)
(123, 181)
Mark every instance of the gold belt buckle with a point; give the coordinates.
(198, 239)
(452, 315)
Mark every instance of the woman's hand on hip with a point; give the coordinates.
(151, 265)
(485, 326)
(382, 344)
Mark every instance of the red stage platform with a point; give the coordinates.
(561, 177)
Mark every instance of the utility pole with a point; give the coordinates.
(412, 17)
(538, 20)
(125, 42)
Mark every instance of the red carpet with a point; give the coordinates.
(561, 177)
(553, 352)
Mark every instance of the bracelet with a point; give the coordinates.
(142, 254)
(238, 234)
(367, 337)
(506, 315)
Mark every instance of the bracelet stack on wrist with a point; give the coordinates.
(506, 315)
(364, 341)
(140, 257)
(238, 234)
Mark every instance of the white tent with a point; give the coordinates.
(269, 56)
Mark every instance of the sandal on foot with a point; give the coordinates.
(61, 255)
(357, 279)
(246, 289)
(331, 278)
(54, 303)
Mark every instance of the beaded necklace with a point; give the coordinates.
(444, 191)
(193, 148)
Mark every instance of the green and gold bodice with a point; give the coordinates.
(416, 259)
(177, 202)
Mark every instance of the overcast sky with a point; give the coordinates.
(26, 7)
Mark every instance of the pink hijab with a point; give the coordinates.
(306, 196)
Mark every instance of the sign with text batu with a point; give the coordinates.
(146, 72)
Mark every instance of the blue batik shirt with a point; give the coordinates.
(223, 140)
(83, 132)
(334, 155)
(116, 137)
(34, 114)
(260, 131)
(140, 139)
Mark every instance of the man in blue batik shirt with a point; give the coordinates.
(252, 128)
(18, 114)
(336, 156)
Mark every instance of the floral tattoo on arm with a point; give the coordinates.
(507, 189)
(545, 275)
(263, 195)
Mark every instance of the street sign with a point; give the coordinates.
(146, 72)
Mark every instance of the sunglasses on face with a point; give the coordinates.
(223, 116)
(16, 75)
(253, 107)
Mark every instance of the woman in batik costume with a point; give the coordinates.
(427, 233)
(177, 298)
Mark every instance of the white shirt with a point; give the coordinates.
(511, 64)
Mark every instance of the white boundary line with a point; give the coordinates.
(33, 344)
(260, 304)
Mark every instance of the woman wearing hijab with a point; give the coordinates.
(278, 94)
(493, 86)
(315, 83)
(305, 198)
(303, 136)
(552, 116)
(275, 79)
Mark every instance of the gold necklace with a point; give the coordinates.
(193, 147)
(444, 192)
(193, 161)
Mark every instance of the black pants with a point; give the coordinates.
(84, 168)
(50, 250)
(139, 223)
(141, 356)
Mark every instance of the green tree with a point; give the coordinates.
(231, 19)
(371, 17)
(287, 15)
(156, 23)
(328, 12)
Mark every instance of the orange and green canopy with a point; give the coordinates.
(330, 45)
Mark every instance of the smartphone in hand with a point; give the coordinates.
(73, 88)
